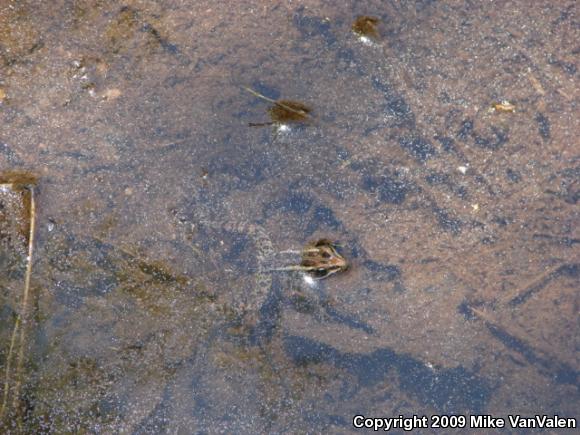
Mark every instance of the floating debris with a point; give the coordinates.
(536, 84)
(111, 94)
(366, 27)
(503, 106)
(282, 111)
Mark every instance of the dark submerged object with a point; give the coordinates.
(282, 111)
(288, 111)
(366, 26)
(285, 111)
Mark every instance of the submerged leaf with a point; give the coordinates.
(282, 111)
(288, 111)
(366, 26)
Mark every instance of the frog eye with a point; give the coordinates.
(320, 273)
(325, 254)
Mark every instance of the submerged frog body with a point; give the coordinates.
(243, 262)
(236, 259)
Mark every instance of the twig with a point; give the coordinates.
(277, 103)
(22, 318)
(260, 124)
(24, 312)
(257, 94)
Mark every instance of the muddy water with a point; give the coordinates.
(159, 213)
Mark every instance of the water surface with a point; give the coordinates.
(155, 201)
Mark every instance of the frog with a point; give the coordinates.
(319, 259)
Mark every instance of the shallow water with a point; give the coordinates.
(159, 211)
